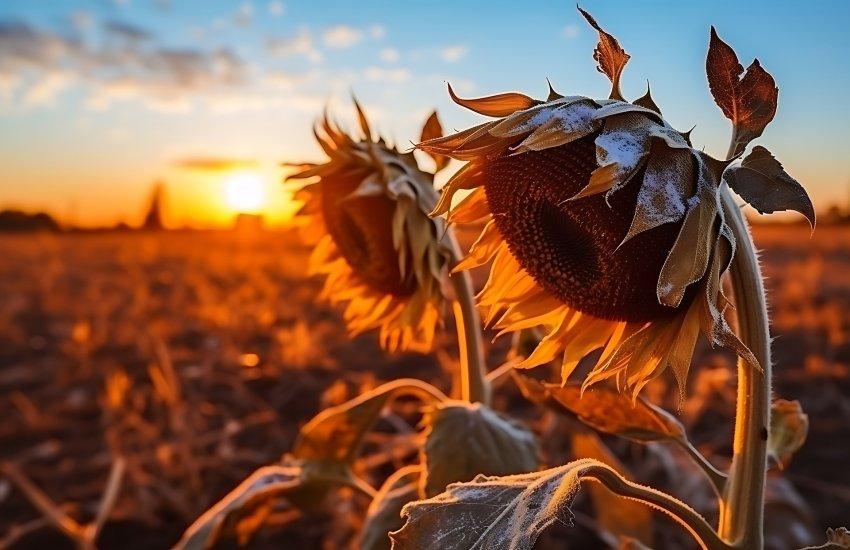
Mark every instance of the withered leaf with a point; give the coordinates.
(500, 513)
(463, 440)
(336, 433)
(749, 101)
(268, 487)
(609, 55)
(498, 105)
(763, 182)
(605, 409)
(433, 130)
(384, 514)
(789, 426)
(614, 515)
(836, 539)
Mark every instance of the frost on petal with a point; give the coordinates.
(667, 184)
(565, 124)
(624, 142)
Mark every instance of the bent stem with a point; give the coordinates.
(473, 369)
(714, 476)
(742, 503)
(683, 514)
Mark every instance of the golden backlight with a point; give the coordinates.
(245, 192)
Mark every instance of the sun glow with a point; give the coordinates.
(245, 192)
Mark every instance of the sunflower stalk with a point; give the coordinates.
(742, 503)
(475, 387)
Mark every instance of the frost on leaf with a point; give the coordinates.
(464, 440)
(498, 513)
(749, 101)
(609, 55)
(763, 182)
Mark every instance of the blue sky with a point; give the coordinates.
(100, 98)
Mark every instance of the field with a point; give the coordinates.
(194, 358)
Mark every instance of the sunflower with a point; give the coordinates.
(604, 227)
(366, 213)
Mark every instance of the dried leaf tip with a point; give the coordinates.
(647, 101)
(553, 95)
(433, 130)
(609, 55)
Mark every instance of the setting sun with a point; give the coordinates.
(245, 192)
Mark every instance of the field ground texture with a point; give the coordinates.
(196, 357)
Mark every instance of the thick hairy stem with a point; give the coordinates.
(473, 369)
(683, 514)
(742, 505)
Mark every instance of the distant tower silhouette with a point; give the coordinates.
(153, 219)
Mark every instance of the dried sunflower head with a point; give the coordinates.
(366, 212)
(604, 225)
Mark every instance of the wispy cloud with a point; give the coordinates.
(341, 36)
(390, 55)
(452, 54)
(126, 31)
(383, 74)
(571, 31)
(301, 44)
(214, 164)
(276, 8)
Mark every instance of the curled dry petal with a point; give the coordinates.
(498, 105)
(609, 55)
(749, 101)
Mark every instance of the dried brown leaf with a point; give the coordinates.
(605, 409)
(464, 440)
(763, 182)
(789, 426)
(609, 55)
(498, 105)
(749, 101)
(836, 539)
(647, 101)
(335, 434)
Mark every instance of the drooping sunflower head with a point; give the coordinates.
(604, 224)
(366, 212)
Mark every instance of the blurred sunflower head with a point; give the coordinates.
(365, 211)
(603, 224)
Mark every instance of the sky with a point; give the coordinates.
(100, 99)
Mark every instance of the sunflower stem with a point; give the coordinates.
(473, 369)
(742, 502)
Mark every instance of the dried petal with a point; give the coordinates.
(498, 105)
(609, 55)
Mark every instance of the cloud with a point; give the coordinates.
(281, 80)
(276, 8)
(377, 31)
(382, 74)
(570, 31)
(81, 20)
(341, 36)
(214, 164)
(244, 15)
(126, 31)
(390, 55)
(302, 44)
(452, 54)
(43, 63)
